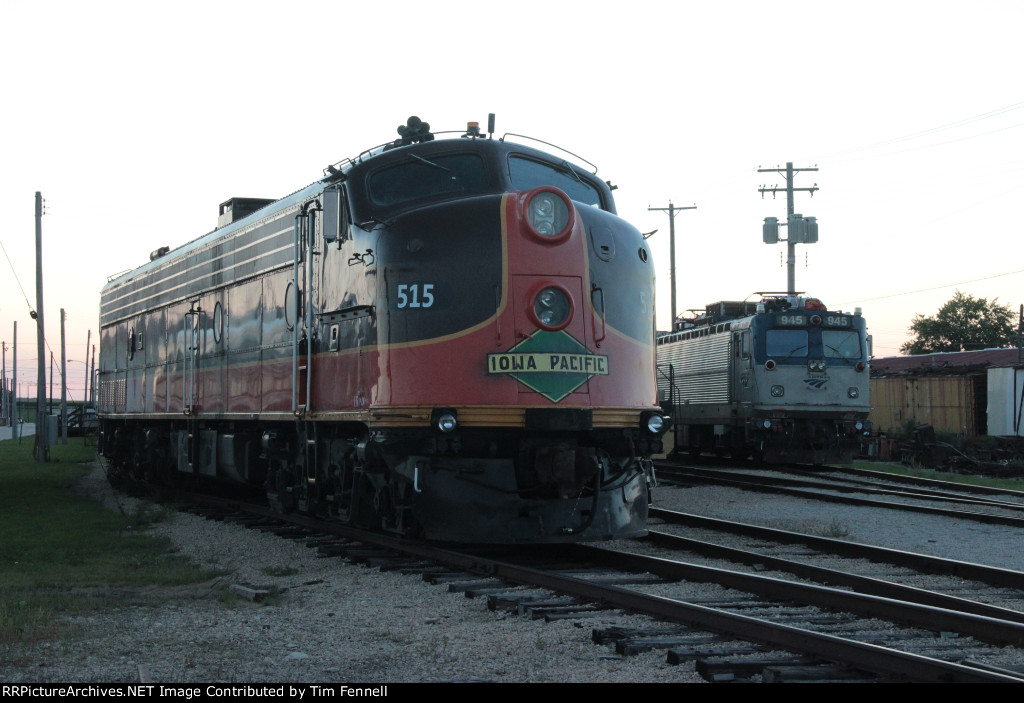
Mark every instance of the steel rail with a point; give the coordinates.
(847, 486)
(935, 484)
(987, 629)
(849, 653)
(898, 665)
(772, 486)
(861, 485)
(993, 575)
(832, 577)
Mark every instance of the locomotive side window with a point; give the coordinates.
(527, 173)
(786, 343)
(419, 178)
(841, 344)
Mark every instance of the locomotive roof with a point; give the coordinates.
(370, 158)
(217, 233)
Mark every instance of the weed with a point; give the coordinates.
(145, 515)
(273, 597)
(226, 595)
(279, 571)
(835, 530)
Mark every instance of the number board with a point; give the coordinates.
(801, 320)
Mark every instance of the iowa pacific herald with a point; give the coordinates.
(547, 363)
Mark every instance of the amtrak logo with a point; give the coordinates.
(553, 364)
(816, 384)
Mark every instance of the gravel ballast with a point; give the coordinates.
(331, 621)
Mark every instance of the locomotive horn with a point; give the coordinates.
(414, 130)
(412, 125)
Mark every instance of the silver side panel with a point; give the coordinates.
(698, 367)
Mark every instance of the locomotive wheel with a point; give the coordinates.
(281, 499)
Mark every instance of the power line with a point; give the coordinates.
(925, 290)
(932, 130)
(15, 273)
(929, 146)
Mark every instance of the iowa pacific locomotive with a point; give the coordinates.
(445, 338)
(781, 380)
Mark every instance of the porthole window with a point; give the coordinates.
(290, 311)
(218, 322)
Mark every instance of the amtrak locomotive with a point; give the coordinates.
(447, 338)
(784, 379)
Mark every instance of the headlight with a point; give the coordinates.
(552, 307)
(816, 365)
(653, 423)
(859, 425)
(548, 214)
(444, 420)
(778, 391)
(853, 392)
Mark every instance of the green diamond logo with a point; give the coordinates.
(553, 364)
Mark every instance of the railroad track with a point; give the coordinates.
(728, 623)
(912, 498)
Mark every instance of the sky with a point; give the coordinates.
(136, 120)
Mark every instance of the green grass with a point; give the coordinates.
(66, 554)
(1013, 484)
(18, 452)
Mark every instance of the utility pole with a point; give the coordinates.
(4, 397)
(92, 378)
(15, 428)
(671, 210)
(799, 229)
(1020, 333)
(63, 383)
(85, 388)
(41, 447)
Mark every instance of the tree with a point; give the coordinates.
(964, 323)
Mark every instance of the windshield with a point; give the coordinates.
(786, 343)
(419, 178)
(527, 173)
(841, 344)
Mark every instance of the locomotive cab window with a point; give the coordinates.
(527, 173)
(420, 178)
(841, 344)
(786, 343)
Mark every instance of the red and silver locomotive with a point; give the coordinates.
(444, 338)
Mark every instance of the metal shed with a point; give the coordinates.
(947, 403)
(949, 391)
(1006, 401)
